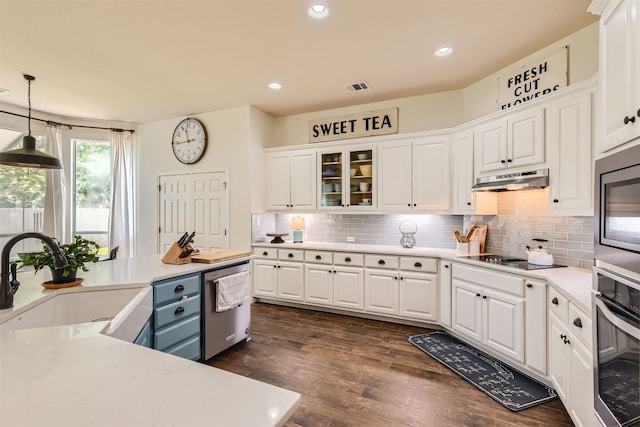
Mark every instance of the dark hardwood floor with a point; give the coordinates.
(360, 372)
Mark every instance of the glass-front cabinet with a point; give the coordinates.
(347, 179)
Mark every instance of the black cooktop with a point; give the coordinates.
(522, 264)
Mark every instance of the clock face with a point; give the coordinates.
(189, 141)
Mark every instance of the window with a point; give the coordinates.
(92, 190)
(21, 196)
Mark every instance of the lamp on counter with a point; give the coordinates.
(28, 156)
(297, 224)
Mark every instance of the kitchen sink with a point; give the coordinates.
(126, 310)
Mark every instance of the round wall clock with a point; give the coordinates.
(189, 141)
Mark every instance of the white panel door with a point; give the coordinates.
(490, 146)
(194, 202)
(525, 136)
(278, 181)
(467, 309)
(318, 284)
(431, 174)
(173, 215)
(394, 176)
(381, 291)
(348, 287)
(504, 324)
(462, 172)
(419, 296)
(209, 214)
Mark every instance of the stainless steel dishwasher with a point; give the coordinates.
(222, 329)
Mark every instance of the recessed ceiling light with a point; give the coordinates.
(318, 10)
(443, 51)
(275, 86)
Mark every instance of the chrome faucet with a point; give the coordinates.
(8, 288)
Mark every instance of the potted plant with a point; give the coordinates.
(78, 253)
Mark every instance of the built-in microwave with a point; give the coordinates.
(617, 209)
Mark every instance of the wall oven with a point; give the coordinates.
(616, 289)
(617, 347)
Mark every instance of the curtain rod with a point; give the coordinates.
(51, 122)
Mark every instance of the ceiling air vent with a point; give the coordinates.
(357, 87)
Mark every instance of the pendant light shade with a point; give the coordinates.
(28, 156)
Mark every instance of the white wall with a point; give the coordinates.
(448, 109)
(234, 143)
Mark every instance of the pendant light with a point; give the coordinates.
(28, 156)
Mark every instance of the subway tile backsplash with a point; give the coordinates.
(522, 216)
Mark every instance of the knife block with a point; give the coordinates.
(173, 255)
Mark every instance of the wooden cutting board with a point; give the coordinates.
(210, 257)
(480, 233)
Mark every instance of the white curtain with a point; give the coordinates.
(55, 193)
(121, 212)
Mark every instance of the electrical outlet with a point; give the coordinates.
(351, 239)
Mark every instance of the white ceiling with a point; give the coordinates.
(147, 60)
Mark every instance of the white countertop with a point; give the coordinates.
(74, 376)
(574, 283)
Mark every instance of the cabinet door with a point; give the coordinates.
(303, 180)
(581, 384)
(619, 66)
(419, 296)
(394, 178)
(525, 134)
(504, 323)
(348, 287)
(536, 326)
(265, 278)
(569, 146)
(381, 291)
(431, 174)
(291, 281)
(467, 309)
(278, 181)
(319, 284)
(558, 356)
(490, 146)
(330, 184)
(462, 172)
(360, 175)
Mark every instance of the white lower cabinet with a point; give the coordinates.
(405, 286)
(328, 282)
(489, 308)
(571, 363)
(274, 277)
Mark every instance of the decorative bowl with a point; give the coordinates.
(365, 170)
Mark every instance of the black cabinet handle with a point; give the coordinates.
(278, 266)
(347, 259)
(179, 288)
(179, 310)
(566, 341)
(318, 257)
(628, 119)
(417, 264)
(395, 277)
(563, 337)
(503, 161)
(414, 205)
(509, 160)
(401, 278)
(555, 200)
(484, 297)
(554, 301)
(275, 266)
(577, 322)
(529, 285)
(381, 262)
(409, 204)
(265, 253)
(638, 112)
(468, 203)
(290, 255)
(477, 295)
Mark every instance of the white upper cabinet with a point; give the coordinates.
(415, 175)
(619, 72)
(347, 180)
(512, 141)
(569, 146)
(291, 180)
(462, 172)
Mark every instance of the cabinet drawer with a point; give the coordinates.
(176, 333)
(190, 349)
(318, 257)
(174, 289)
(428, 265)
(559, 305)
(265, 253)
(176, 311)
(291, 254)
(580, 323)
(348, 258)
(381, 261)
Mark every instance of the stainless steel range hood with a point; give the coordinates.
(529, 180)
